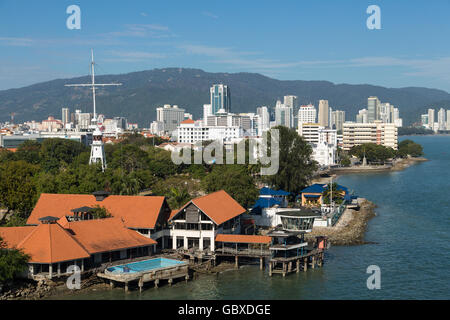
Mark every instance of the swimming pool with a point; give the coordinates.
(146, 265)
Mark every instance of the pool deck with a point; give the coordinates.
(153, 275)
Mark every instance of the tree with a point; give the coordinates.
(409, 147)
(296, 167)
(100, 213)
(373, 152)
(235, 180)
(338, 196)
(29, 151)
(12, 262)
(129, 158)
(18, 186)
(54, 152)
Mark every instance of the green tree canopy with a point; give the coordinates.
(18, 186)
(373, 152)
(409, 147)
(296, 167)
(12, 262)
(235, 180)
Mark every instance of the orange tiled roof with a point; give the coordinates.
(187, 121)
(138, 212)
(240, 238)
(50, 243)
(219, 206)
(105, 235)
(14, 235)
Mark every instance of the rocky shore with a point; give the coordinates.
(398, 165)
(350, 228)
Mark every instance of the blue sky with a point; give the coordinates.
(284, 39)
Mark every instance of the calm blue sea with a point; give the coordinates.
(411, 233)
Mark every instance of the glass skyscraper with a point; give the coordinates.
(220, 98)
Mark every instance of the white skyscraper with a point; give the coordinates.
(448, 120)
(207, 111)
(441, 119)
(431, 118)
(307, 114)
(170, 116)
(338, 119)
(264, 118)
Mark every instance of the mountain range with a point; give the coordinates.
(142, 92)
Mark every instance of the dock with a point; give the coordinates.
(296, 264)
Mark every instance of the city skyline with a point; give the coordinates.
(36, 43)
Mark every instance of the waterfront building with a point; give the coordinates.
(196, 224)
(220, 98)
(431, 119)
(55, 243)
(441, 119)
(312, 196)
(170, 117)
(385, 134)
(307, 114)
(264, 211)
(324, 153)
(424, 120)
(448, 121)
(190, 131)
(324, 113)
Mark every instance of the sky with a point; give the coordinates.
(283, 39)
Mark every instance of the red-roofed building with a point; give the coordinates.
(145, 214)
(54, 244)
(197, 223)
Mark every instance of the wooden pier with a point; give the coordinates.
(296, 264)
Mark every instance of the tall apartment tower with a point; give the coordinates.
(65, 117)
(441, 119)
(264, 118)
(373, 109)
(307, 114)
(220, 98)
(448, 120)
(324, 112)
(284, 115)
(338, 119)
(431, 118)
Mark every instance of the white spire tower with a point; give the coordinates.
(97, 147)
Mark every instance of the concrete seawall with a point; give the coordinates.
(350, 228)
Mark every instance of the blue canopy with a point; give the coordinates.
(320, 188)
(270, 192)
(262, 203)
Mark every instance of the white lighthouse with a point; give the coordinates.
(97, 147)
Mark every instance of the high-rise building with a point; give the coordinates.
(324, 113)
(337, 119)
(377, 132)
(65, 116)
(170, 117)
(220, 98)
(431, 119)
(441, 119)
(264, 118)
(448, 120)
(373, 109)
(207, 111)
(362, 116)
(284, 115)
(307, 114)
(424, 120)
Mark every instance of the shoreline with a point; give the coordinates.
(398, 165)
(351, 227)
